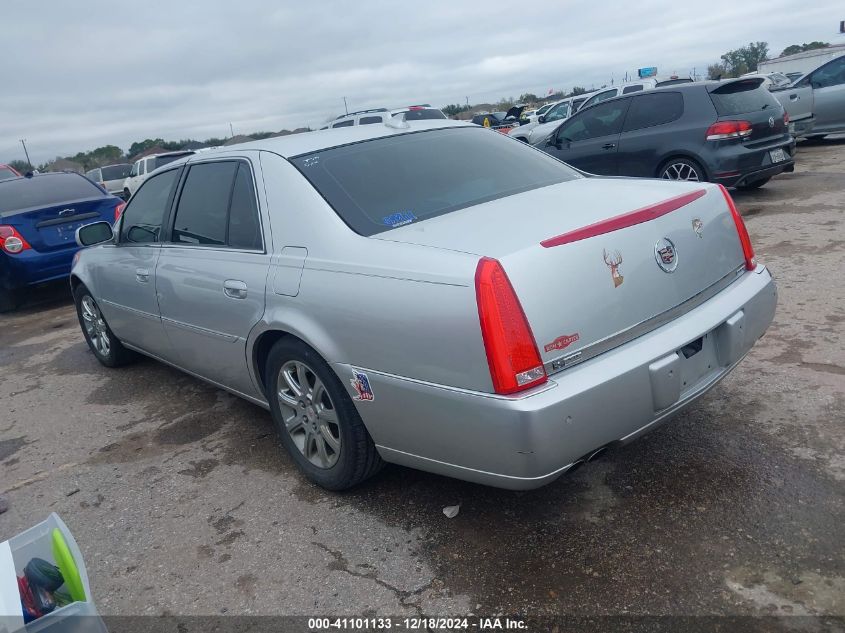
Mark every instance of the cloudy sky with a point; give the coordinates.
(76, 76)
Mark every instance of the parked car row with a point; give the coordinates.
(732, 132)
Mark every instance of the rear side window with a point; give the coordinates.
(46, 191)
(369, 120)
(629, 89)
(740, 97)
(217, 207)
(244, 228)
(344, 123)
(115, 172)
(141, 221)
(385, 183)
(654, 108)
(203, 210)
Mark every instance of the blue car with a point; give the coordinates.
(39, 215)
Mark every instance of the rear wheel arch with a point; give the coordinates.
(75, 282)
(261, 351)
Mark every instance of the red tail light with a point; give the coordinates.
(11, 241)
(744, 239)
(118, 210)
(785, 117)
(728, 129)
(512, 352)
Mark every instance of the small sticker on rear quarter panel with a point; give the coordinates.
(361, 384)
(562, 342)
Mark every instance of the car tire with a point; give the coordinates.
(756, 184)
(315, 418)
(684, 169)
(10, 300)
(101, 340)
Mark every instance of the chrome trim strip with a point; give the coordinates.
(572, 358)
(140, 313)
(229, 338)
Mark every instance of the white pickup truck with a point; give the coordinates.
(816, 102)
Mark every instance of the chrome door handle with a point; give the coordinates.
(142, 275)
(608, 146)
(234, 288)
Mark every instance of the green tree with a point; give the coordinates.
(577, 90)
(716, 71)
(453, 109)
(528, 97)
(142, 146)
(800, 48)
(744, 59)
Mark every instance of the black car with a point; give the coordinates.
(502, 121)
(731, 132)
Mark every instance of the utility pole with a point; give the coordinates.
(28, 162)
(467, 102)
(231, 131)
(345, 107)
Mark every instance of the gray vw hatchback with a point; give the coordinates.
(733, 132)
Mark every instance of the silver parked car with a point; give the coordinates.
(432, 294)
(816, 102)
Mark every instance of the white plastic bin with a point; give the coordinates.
(77, 617)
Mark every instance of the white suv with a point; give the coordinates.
(381, 115)
(143, 167)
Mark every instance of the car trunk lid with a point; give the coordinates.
(54, 227)
(597, 261)
(747, 100)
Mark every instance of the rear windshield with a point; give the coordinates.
(420, 115)
(740, 97)
(45, 191)
(388, 182)
(115, 172)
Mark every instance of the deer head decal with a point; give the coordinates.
(614, 262)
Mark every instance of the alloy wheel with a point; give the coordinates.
(95, 326)
(680, 171)
(309, 414)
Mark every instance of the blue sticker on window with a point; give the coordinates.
(399, 218)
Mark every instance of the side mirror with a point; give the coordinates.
(541, 118)
(95, 233)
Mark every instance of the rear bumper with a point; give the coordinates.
(526, 442)
(31, 267)
(738, 165)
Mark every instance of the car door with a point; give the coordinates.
(125, 280)
(828, 83)
(647, 134)
(589, 140)
(212, 272)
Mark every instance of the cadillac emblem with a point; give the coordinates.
(698, 227)
(666, 255)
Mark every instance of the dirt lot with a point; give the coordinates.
(183, 503)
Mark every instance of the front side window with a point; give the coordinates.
(560, 111)
(604, 119)
(203, 209)
(142, 219)
(654, 108)
(385, 183)
(833, 74)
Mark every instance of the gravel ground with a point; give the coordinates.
(183, 503)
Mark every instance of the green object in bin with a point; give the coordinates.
(66, 564)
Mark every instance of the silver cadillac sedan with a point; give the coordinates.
(432, 294)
